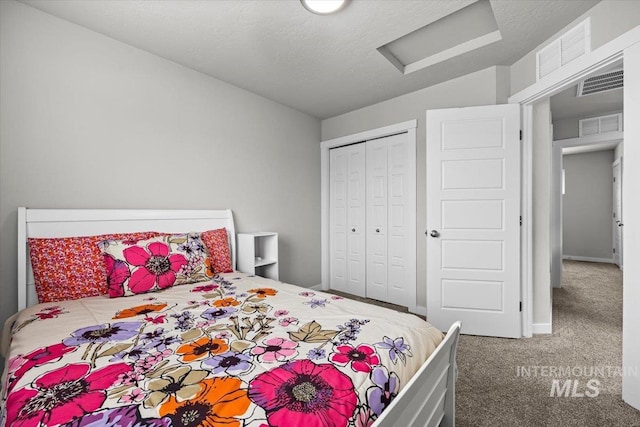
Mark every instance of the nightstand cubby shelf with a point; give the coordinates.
(258, 254)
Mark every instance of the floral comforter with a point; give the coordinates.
(235, 351)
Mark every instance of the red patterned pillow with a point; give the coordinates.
(217, 242)
(154, 264)
(72, 267)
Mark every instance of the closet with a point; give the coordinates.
(372, 219)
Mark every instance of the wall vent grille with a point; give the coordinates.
(602, 124)
(571, 45)
(601, 83)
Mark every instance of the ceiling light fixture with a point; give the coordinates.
(324, 7)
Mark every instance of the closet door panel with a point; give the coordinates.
(356, 222)
(400, 288)
(338, 162)
(377, 195)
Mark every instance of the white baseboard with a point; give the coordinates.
(541, 328)
(588, 259)
(316, 287)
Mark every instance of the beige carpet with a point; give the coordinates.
(586, 344)
(587, 325)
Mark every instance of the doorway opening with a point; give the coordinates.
(586, 212)
(627, 47)
(586, 179)
(586, 219)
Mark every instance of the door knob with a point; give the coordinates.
(620, 224)
(377, 230)
(434, 233)
(353, 230)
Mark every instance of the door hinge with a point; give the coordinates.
(520, 135)
(614, 214)
(520, 220)
(520, 305)
(614, 179)
(614, 250)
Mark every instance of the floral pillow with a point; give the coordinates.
(154, 264)
(69, 268)
(217, 242)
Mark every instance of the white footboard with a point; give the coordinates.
(429, 398)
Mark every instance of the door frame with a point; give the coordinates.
(549, 85)
(410, 128)
(620, 163)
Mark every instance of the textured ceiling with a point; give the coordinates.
(321, 65)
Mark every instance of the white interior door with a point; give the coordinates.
(473, 219)
(347, 219)
(618, 225)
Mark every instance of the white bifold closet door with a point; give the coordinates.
(372, 242)
(347, 219)
(388, 201)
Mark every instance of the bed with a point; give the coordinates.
(229, 349)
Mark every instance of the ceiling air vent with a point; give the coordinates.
(601, 83)
(602, 124)
(571, 45)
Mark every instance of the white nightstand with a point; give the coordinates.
(258, 254)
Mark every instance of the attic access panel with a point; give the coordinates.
(462, 31)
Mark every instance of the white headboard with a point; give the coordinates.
(89, 222)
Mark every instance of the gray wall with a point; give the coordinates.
(609, 19)
(569, 128)
(480, 88)
(89, 122)
(565, 128)
(587, 205)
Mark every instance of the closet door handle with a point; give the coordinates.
(353, 230)
(377, 230)
(434, 233)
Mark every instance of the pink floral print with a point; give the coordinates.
(61, 395)
(117, 273)
(275, 350)
(155, 266)
(301, 393)
(361, 358)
